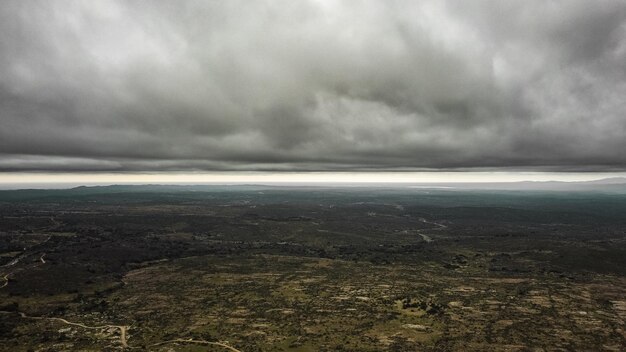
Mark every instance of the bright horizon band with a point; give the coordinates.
(297, 177)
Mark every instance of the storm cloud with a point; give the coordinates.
(312, 85)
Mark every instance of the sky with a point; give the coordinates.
(100, 88)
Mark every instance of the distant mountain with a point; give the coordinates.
(608, 185)
(613, 184)
(608, 181)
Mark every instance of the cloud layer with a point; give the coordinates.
(312, 85)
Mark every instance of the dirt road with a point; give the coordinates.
(121, 328)
(199, 342)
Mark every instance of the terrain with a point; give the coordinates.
(261, 268)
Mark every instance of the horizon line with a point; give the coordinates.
(54, 180)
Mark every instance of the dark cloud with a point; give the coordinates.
(312, 85)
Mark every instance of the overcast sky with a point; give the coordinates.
(134, 86)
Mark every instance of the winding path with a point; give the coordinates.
(425, 237)
(442, 226)
(122, 332)
(199, 342)
(122, 328)
(6, 276)
(24, 254)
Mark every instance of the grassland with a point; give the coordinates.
(265, 269)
